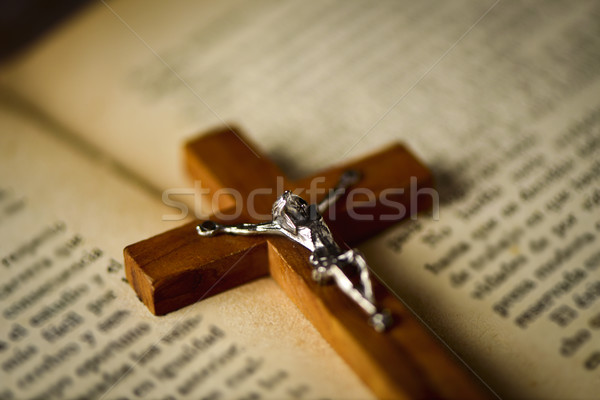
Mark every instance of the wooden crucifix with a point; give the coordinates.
(178, 268)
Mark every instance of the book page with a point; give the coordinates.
(498, 98)
(510, 272)
(72, 328)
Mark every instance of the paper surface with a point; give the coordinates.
(71, 328)
(499, 99)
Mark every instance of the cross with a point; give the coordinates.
(178, 267)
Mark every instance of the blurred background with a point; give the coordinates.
(22, 22)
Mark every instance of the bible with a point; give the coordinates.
(498, 99)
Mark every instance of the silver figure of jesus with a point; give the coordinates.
(303, 223)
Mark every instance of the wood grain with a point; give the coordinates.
(178, 268)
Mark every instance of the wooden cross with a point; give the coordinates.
(177, 268)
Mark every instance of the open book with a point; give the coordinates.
(499, 99)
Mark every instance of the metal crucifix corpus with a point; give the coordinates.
(180, 267)
(304, 224)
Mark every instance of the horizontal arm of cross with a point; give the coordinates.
(177, 268)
